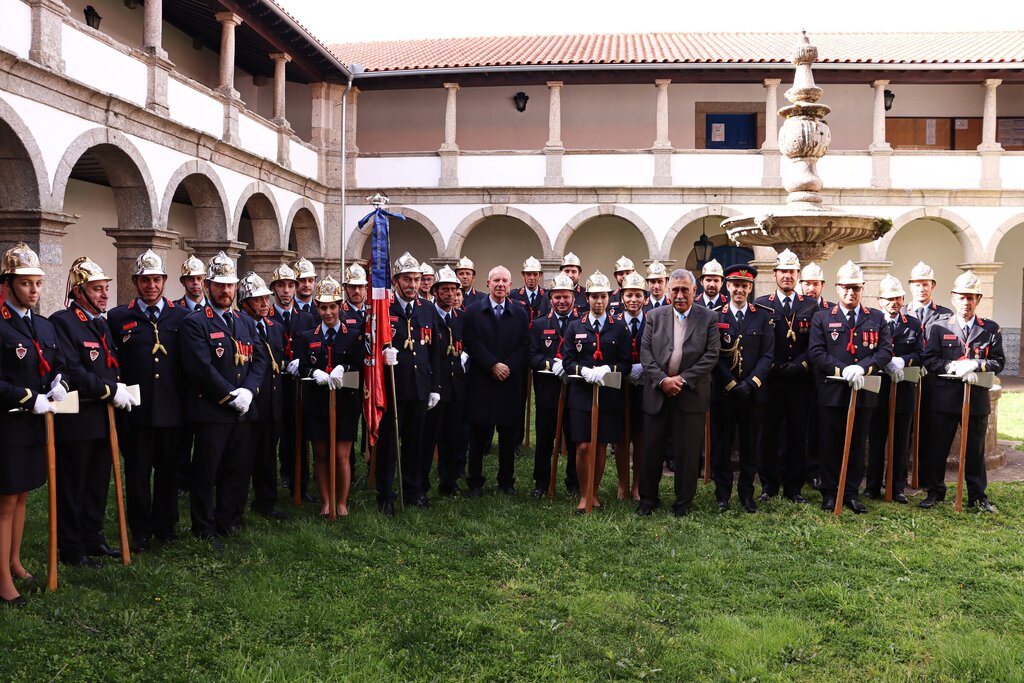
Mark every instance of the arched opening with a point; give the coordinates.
(928, 240)
(20, 187)
(601, 240)
(197, 213)
(258, 227)
(303, 235)
(501, 240)
(1008, 306)
(682, 251)
(405, 236)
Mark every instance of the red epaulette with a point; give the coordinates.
(799, 297)
(903, 317)
(170, 303)
(980, 321)
(771, 297)
(835, 310)
(270, 322)
(81, 315)
(209, 312)
(5, 312)
(131, 304)
(316, 331)
(864, 310)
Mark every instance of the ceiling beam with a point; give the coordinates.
(257, 25)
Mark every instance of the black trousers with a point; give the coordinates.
(444, 431)
(218, 476)
(183, 464)
(784, 438)
(546, 420)
(479, 443)
(877, 444)
(151, 457)
(687, 433)
(264, 465)
(812, 466)
(930, 478)
(286, 429)
(83, 478)
(832, 431)
(943, 428)
(412, 417)
(728, 418)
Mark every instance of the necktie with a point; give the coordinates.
(852, 317)
(634, 325)
(408, 310)
(967, 331)
(151, 312)
(657, 303)
(331, 332)
(787, 309)
(198, 307)
(498, 310)
(597, 326)
(448, 319)
(284, 316)
(31, 327)
(533, 299)
(561, 326)
(892, 327)
(262, 330)
(305, 308)
(739, 316)
(229, 321)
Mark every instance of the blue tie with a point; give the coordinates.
(498, 310)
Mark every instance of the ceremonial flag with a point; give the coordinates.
(378, 323)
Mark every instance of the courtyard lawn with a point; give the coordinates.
(1011, 416)
(520, 589)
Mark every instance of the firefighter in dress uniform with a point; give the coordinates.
(353, 312)
(547, 341)
(572, 267)
(30, 377)
(193, 273)
(657, 277)
(305, 279)
(633, 296)
(847, 342)
(466, 272)
(623, 267)
(535, 301)
(812, 281)
(427, 276)
(325, 354)
(711, 277)
(146, 332)
(738, 389)
(83, 439)
(595, 345)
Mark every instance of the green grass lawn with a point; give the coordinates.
(520, 589)
(1011, 416)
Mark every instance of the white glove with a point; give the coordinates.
(242, 400)
(924, 372)
(42, 405)
(857, 383)
(557, 368)
(433, 400)
(465, 360)
(895, 364)
(971, 378)
(961, 367)
(321, 377)
(390, 356)
(57, 391)
(636, 371)
(600, 372)
(896, 376)
(338, 377)
(293, 368)
(587, 374)
(852, 372)
(122, 399)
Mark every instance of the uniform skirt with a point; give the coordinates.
(609, 426)
(315, 423)
(22, 468)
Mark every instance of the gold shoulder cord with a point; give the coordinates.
(273, 361)
(157, 346)
(451, 341)
(733, 352)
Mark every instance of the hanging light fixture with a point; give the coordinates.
(92, 17)
(702, 247)
(520, 99)
(889, 96)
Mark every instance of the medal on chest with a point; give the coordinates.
(94, 354)
(220, 352)
(835, 336)
(579, 347)
(21, 352)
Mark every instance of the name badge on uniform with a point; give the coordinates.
(351, 321)
(21, 352)
(835, 324)
(582, 335)
(128, 326)
(314, 345)
(216, 335)
(948, 337)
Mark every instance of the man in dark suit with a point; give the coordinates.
(497, 341)
(254, 298)
(546, 341)
(83, 439)
(908, 350)
(225, 373)
(962, 344)
(711, 295)
(146, 333)
(679, 350)
(784, 438)
(416, 376)
(848, 342)
(738, 388)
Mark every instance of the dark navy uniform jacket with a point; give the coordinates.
(747, 351)
(93, 369)
(416, 377)
(314, 353)
(471, 296)
(720, 300)
(297, 322)
(155, 367)
(928, 315)
(309, 309)
(269, 401)
(24, 375)
(582, 304)
(449, 343)
(907, 343)
(792, 334)
(540, 307)
(350, 312)
(946, 343)
(188, 304)
(217, 362)
(834, 345)
(580, 349)
(545, 346)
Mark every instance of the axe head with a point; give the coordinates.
(69, 406)
(912, 374)
(985, 379)
(133, 389)
(872, 383)
(613, 380)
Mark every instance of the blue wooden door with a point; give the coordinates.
(729, 255)
(731, 131)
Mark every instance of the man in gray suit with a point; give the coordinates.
(679, 349)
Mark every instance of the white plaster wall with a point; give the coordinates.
(935, 170)
(102, 67)
(257, 137)
(194, 109)
(1011, 168)
(608, 170)
(842, 170)
(16, 27)
(304, 160)
(502, 170)
(420, 171)
(717, 170)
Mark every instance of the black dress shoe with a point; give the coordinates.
(475, 493)
(982, 505)
(857, 506)
(828, 504)
(387, 508)
(508, 490)
(448, 491)
(17, 601)
(749, 505)
(681, 510)
(579, 511)
(797, 499)
(765, 497)
(272, 514)
(80, 561)
(229, 530)
(723, 506)
(900, 498)
(644, 509)
(103, 550)
(929, 502)
(422, 502)
(141, 545)
(871, 494)
(538, 492)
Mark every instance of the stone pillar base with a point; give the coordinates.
(449, 166)
(880, 162)
(553, 166)
(771, 167)
(158, 68)
(662, 166)
(47, 29)
(874, 271)
(990, 168)
(284, 144)
(206, 250)
(132, 243)
(232, 108)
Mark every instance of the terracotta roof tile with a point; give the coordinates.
(994, 47)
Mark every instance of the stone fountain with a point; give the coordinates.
(805, 225)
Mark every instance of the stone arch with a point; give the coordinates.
(209, 200)
(26, 182)
(690, 217)
(604, 210)
(258, 201)
(126, 171)
(356, 240)
(961, 229)
(997, 237)
(458, 238)
(304, 224)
